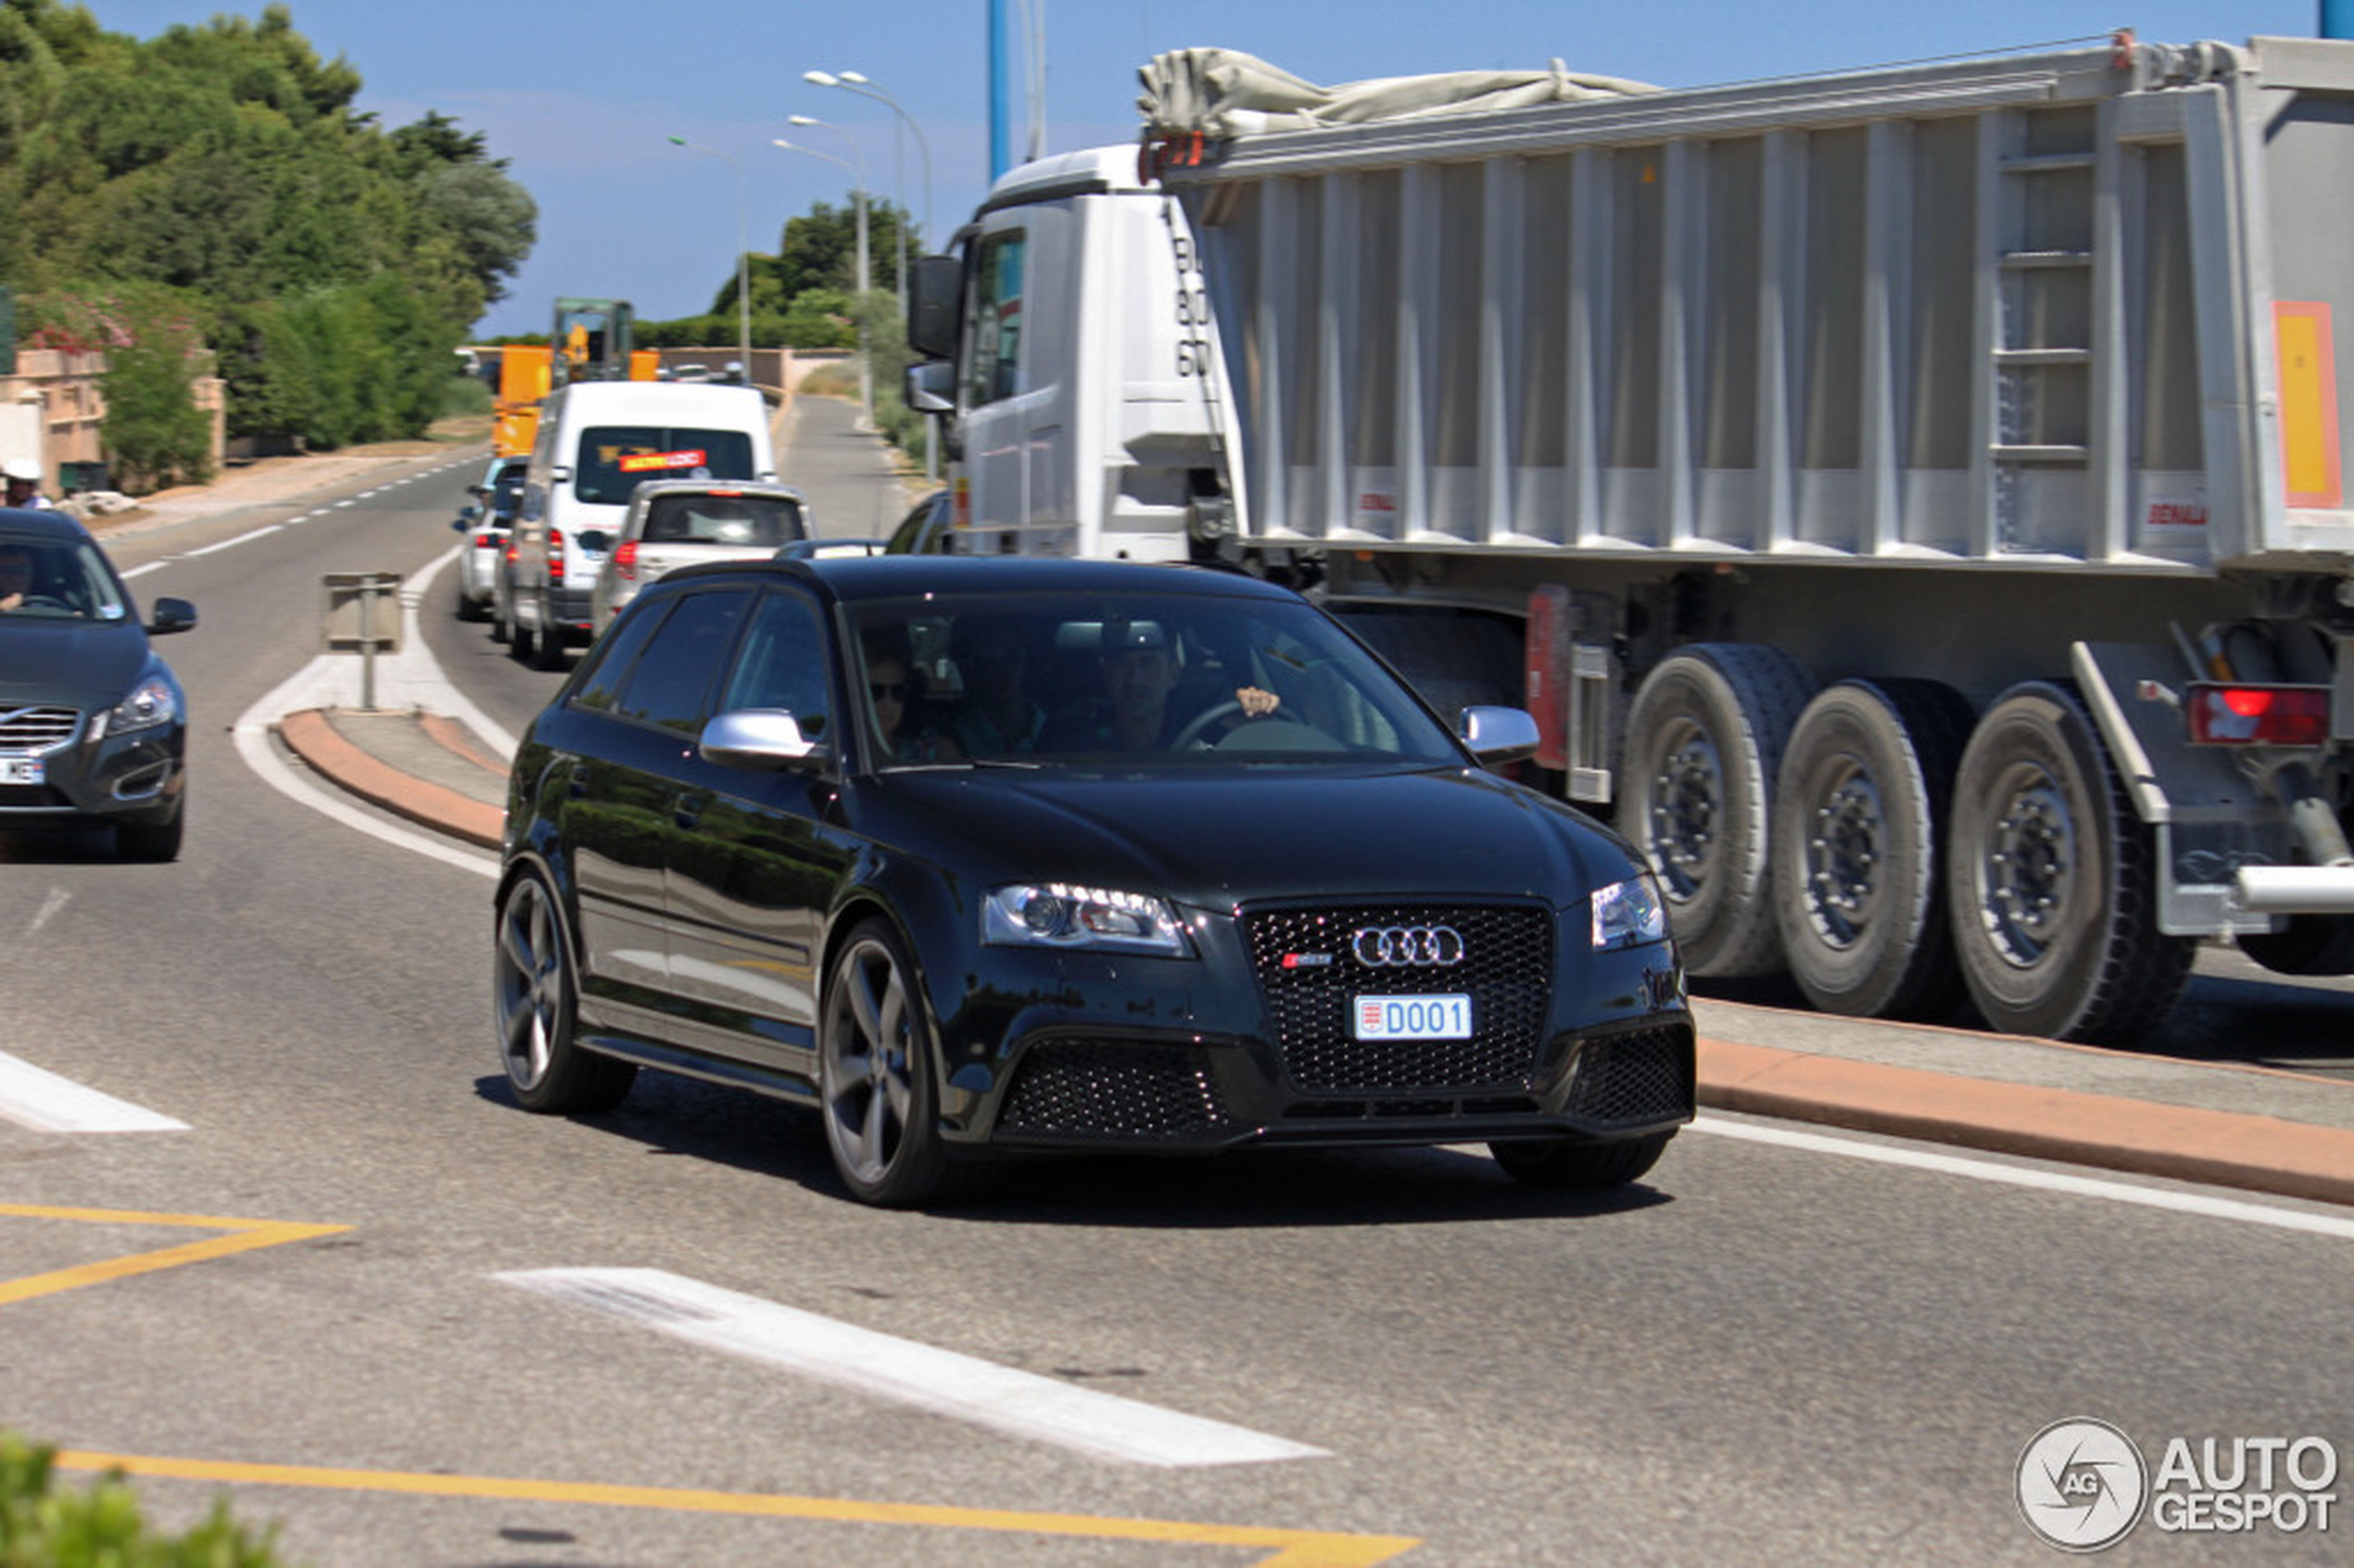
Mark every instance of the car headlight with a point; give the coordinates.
(151, 702)
(1082, 919)
(1631, 913)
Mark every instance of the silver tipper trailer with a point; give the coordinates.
(1912, 500)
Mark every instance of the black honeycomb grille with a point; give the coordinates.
(1507, 971)
(1111, 1088)
(1645, 1076)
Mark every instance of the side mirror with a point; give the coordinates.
(172, 615)
(931, 387)
(1498, 735)
(935, 303)
(758, 740)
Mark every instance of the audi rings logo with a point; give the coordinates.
(1399, 947)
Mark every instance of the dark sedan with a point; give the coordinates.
(993, 855)
(92, 726)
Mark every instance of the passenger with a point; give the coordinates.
(1139, 672)
(16, 576)
(998, 716)
(892, 689)
(23, 480)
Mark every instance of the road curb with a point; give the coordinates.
(310, 736)
(2219, 1148)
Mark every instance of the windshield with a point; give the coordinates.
(617, 458)
(1147, 679)
(49, 579)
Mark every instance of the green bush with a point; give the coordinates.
(41, 1526)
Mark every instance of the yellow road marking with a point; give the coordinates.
(243, 1235)
(1293, 1549)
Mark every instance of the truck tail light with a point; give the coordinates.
(2237, 713)
(624, 559)
(555, 556)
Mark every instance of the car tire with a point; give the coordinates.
(548, 650)
(1704, 742)
(1578, 1162)
(1860, 812)
(2052, 879)
(876, 1051)
(534, 997)
(152, 840)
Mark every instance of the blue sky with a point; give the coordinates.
(581, 95)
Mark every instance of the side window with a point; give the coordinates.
(784, 663)
(995, 362)
(667, 684)
(610, 657)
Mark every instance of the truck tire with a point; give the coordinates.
(1704, 742)
(1859, 825)
(2051, 880)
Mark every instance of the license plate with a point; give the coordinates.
(23, 770)
(1412, 1017)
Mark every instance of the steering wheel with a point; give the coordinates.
(1192, 734)
(41, 602)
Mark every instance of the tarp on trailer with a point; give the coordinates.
(1224, 92)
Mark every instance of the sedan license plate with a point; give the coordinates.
(23, 770)
(1412, 1017)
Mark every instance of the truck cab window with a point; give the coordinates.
(994, 367)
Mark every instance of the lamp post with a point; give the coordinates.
(865, 359)
(743, 259)
(854, 81)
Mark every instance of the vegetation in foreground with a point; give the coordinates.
(45, 1525)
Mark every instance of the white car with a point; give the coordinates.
(485, 522)
(675, 523)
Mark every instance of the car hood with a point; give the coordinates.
(1215, 840)
(84, 663)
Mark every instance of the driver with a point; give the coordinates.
(1140, 670)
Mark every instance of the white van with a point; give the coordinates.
(598, 442)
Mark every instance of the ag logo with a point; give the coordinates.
(2081, 1485)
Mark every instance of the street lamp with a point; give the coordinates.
(743, 258)
(854, 81)
(866, 359)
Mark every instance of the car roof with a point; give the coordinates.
(651, 489)
(42, 523)
(896, 576)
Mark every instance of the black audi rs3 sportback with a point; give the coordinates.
(979, 857)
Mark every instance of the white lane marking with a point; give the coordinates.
(2023, 1176)
(59, 898)
(37, 1098)
(1023, 1404)
(231, 544)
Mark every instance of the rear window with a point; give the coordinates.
(765, 521)
(616, 458)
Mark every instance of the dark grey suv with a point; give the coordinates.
(983, 855)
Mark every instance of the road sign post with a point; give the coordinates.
(364, 613)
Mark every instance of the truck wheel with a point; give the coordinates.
(2310, 944)
(1704, 742)
(1859, 827)
(2051, 880)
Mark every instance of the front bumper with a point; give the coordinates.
(1234, 1049)
(137, 776)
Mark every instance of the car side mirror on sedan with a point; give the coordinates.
(465, 518)
(759, 739)
(1498, 735)
(172, 615)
